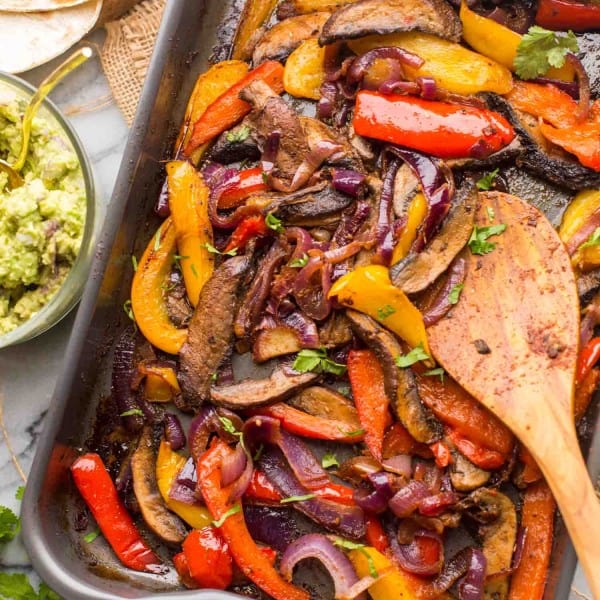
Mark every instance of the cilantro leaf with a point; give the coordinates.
(213, 250)
(229, 427)
(45, 593)
(10, 524)
(16, 586)
(300, 262)
(128, 309)
(19, 493)
(88, 538)
(272, 222)
(239, 135)
(487, 181)
(132, 412)
(329, 460)
(354, 433)
(157, 240)
(297, 498)
(593, 240)
(348, 545)
(414, 356)
(316, 361)
(436, 372)
(478, 241)
(491, 213)
(541, 49)
(232, 511)
(455, 292)
(134, 262)
(385, 311)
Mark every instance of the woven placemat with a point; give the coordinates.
(127, 50)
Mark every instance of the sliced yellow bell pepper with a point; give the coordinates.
(416, 213)
(454, 67)
(255, 14)
(161, 383)
(393, 583)
(581, 208)
(208, 87)
(168, 465)
(369, 290)
(305, 70)
(147, 291)
(498, 42)
(308, 6)
(188, 202)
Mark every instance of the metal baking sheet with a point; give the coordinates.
(191, 33)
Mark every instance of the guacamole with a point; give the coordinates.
(41, 222)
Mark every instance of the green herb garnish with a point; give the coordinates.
(300, 262)
(348, 545)
(329, 460)
(177, 258)
(232, 511)
(541, 49)
(354, 433)
(478, 241)
(10, 524)
(134, 262)
(91, 536)
(455, 292)
(297, 498)
(132, 412)
(240, 135)
(316, 361)
(272, 222)
(414, 356)
(438, 372)
(487, 181)
(157, 240)
(16, 586)
(385, 311)
(213, 250)
(593, 240)
(491, 213)
(19, 493)
(128, 309)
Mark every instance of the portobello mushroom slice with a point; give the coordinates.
(252, 393)
(367, 17)
(235, 145)
(284, 37)
(400, 384)
(165, 524)
(278, 341)
(327, 403)
(464, 475)
(540, 156)
(418, 271)
(210, 333)
(498, 539)
(504, 155)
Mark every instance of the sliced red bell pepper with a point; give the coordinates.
(183, 570)
(566, 14)
(587, 359)
(531, 472)
(368, 390)
(437, 128)
(270, 554)
(253, 563)
(249, 228)
(584, 391)
(229, 108)
(479, 455)
(208, 558)
(100, 494)
(375, 534)
(582, 140)
(442, 454)
(397, 440)
(305, 425)
(251, 181)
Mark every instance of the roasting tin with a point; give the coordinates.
(192, 31)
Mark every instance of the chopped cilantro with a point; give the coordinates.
(297, 498)
(478, 241)
(178, 258)
(19, 493)
(240, 135)
(157, 240)
(232, 511)
(414, 356)
(258, 452)
(487, 181)
(134, 262)
(10, 524)
(132, 412)
(128, 310)
(214, 376)
(193, 270)
(300, 262)
(593, 240)
(385, 311)
(455, 292)
(213, 250)
(541, 49)
(316, 361)
(229, 427)
(16, 586)
(265, 178)
(91, 536)
(329, 460)
(354, 433)
(272, 222)
(438, 372)
(491, 213)
(348, 545)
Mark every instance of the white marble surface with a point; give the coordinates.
(103, 132)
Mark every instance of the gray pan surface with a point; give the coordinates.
(191, 31)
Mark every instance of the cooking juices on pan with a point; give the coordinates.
(320, 210)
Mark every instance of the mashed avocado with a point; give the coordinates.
(42, 222)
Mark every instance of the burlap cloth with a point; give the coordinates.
(127, 50)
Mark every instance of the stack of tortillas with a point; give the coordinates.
(33, 32)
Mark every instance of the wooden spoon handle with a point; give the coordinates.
(567, 476)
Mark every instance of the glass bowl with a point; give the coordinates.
(71, 289)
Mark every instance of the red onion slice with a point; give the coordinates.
(183, 488)
(407, 500)
(441, 305)
(424, 556)
(348, 181)
(233, 466)
(585, 93)
(361, 64)
(174, 431)
(401, 464)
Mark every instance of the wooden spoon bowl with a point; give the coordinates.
(512, 342)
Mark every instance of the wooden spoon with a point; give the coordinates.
(512, 342)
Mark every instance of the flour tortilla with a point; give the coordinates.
(35, 5)
(28, 40)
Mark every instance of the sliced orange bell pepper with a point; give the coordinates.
(368, 391)
(147, 293)
(229, 108)
(253, 563)
(397, 440)
(531, 472)
(208, 558)
(368, 289)
(375, 534)
(161, 382)
(168, 466)
(183, 570)
(255, 14)
(584, 391)
(98, 490)
(209, 86)
(529, 580)
(581, 140)
(456, 408)
(188, 202)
